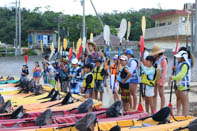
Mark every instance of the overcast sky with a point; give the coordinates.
(74, 6)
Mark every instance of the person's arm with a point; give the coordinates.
(181, 74)
(87, 48)
(164, 67)
(147, 72)
(128, 75)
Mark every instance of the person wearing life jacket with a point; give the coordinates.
(124, 80)
(191, 60)
(148, 78)
(64, 72)
(134, 80)
(88, 81)
(37, 73)
(51, 73)
(24, 73)
(182, 80)
(44, 62)
(75, 76)
(161, 63)
(99, 75)
(114, 75)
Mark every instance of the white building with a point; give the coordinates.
(167, 26)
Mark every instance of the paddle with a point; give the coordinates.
(128, 33)
(70, 53)
(80, 51)
(140, 107)
(52, 51)
(106, 35)
(121, 33)
(79, 48)
(91, 37)
(173, 73)
(26, 59)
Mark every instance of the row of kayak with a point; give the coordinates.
(57, 111)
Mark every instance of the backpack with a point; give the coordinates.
(56, 96)
(38, 90)
(83, 108)
(85, 122)
(123, 74)
(6, 108)
(114, 109)
(68, 99)
(162, 116)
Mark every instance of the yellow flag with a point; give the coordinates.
(59, 44)
(78, 45)
(91, 37)
(73, 45)
(65, 43)
(41, 47)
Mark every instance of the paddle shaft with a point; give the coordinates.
(173, 83)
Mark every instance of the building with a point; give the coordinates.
(115, 42)
(168, 25)
(35, 37)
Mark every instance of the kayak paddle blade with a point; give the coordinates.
(140, 107)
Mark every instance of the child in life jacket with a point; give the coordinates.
(99, 75)
(182, 80)
(75, 76)
(114, 75)
(37, 72)
(148, 78)
(88, 81)
(24, 73)
(124, 80)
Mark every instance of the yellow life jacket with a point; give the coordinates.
(97, 74)
(91, 85)
(147, 81)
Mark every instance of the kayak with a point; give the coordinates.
(8, 90)
(55, 114)
(9, 82)
(7, 85)
(67, 121)
(97, 104)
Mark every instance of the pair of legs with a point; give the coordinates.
(96, 95)
(125, 95)
(149, 104)
(99, 87)
(133, 96)
(159, 89)
(182, 100)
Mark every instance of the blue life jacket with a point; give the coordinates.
(135, 72)
(122, 74)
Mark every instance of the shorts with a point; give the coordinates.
(134, 81)
(149, 91)
(75, 88)
(124, 85)
(99, 86)
(89, 91)
(124, 91)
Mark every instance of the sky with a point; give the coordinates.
(102, 6)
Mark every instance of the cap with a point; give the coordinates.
(25, 65)
(89, 66)
(128, 51)
(99, 60)
(123, 57)
(74, 61)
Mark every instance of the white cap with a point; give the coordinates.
(75, 61)
(182, 54)
(124, 57)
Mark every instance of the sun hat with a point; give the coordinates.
(156, 50)
(115, 57)
(92, 43)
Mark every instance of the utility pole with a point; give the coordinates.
(195, 44)
(18, 29)
(84, 25)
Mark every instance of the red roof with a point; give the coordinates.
(168, 13)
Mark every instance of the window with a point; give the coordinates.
(169, 22)
(162, 24)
